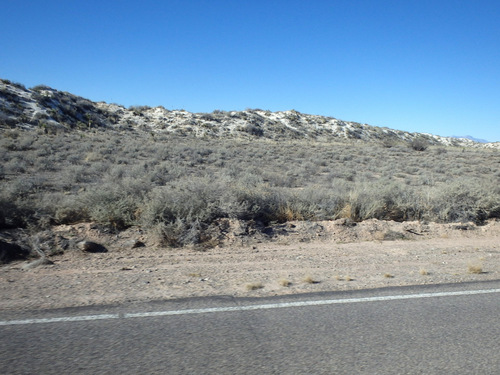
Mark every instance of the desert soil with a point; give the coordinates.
(297, 257)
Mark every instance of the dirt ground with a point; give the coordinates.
(297, 257)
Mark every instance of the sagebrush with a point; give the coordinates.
(178, 187)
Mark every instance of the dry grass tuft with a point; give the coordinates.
(309, 280)
(285, 282)
(348, 212)
(475, 268)
(254, 286)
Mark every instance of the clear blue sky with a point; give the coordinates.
(417, 65)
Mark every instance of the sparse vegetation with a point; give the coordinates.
(85, 162)
(475, 268)
(419, 144)
(309, 280)
(285, 282)
(181, 187)
(254, 286)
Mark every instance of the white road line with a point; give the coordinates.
(60, 319)
(245, 308)
(308, 303)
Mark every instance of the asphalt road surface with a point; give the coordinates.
(449, 329)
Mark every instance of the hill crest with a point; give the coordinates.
(50, 109)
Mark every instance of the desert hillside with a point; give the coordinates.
(43, 107)
(105, 204)
(191, 179)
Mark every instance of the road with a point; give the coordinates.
(448, 329)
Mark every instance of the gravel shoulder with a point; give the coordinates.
(298, 258)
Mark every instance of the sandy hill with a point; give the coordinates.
(48, 108)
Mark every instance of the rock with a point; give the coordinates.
(467, 226)
(347, 222)
(39, 262)
(92, 247)
(133, 244)
(10, 252)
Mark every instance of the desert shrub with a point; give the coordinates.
(39, 88)
(253, 129)
(250, 178)
(382, 200)
(324, 203)
(11, 215)
(183, 211)
(70, 212)
(274, 204)
(57, 208)
(15, 210)
(180, 187)
(440, 150)
(77, 174)
(261, 204)
(419, 144)
(8, 121)
(193, 200)
(295, 206)
(111, 206)
(208, 117)
(139, 109)
(389, 142)
(15, 84)
(465, 200)
(181, 233)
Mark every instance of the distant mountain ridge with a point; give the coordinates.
(50, 109)
(470, 137)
